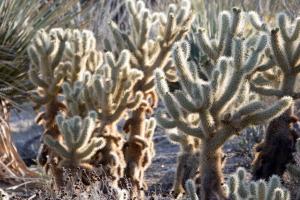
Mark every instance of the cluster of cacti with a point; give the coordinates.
(91, 84)
(20, 22)
(283, 54)
(150, 40)
(240, 188)
(109, 93)
(294, 169)
(84, 94)
(211, 102)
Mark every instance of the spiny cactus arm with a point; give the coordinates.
(285, 25)
(224, 26)
(47, 70)
(262, 189)
(86, 152)
(247, 109)
(72, 97)
(109, 89)
(183, 100)
(169, 99)
(81, 51)
(242, 68)
(279, 54)
(35, 79)
(285, 55)
(56, 146)
(66, 131)
(86, 131)
(257, 22)
(176, 26)
(274, 183)
(267, 114)
(78, 144)
(266, 66)
(170, 123)
(164, 121)
(148, 54)
(266, 90)
(206, 45)
(228, 27)
(261, 116)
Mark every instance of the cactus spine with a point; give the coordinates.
(218, 121)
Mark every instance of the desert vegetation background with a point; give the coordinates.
(149, 99)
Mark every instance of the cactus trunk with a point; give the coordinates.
(51, 110)
(211, 173)
(133, 155)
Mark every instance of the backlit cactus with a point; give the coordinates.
(283, 54)
(150, 40)
(47, 72)
(78, 145)
(211, 100)
(239, 188)
(108, 91)
(229, 27)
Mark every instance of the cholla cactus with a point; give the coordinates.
(294, 169)
(82, 54)
(188, 161)
(108, 91)
(283, 54)
(78, 144)
(210, 100)
(241, 189)
(149, 41)
(229, 28)
(238, 188)
(47, 72)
